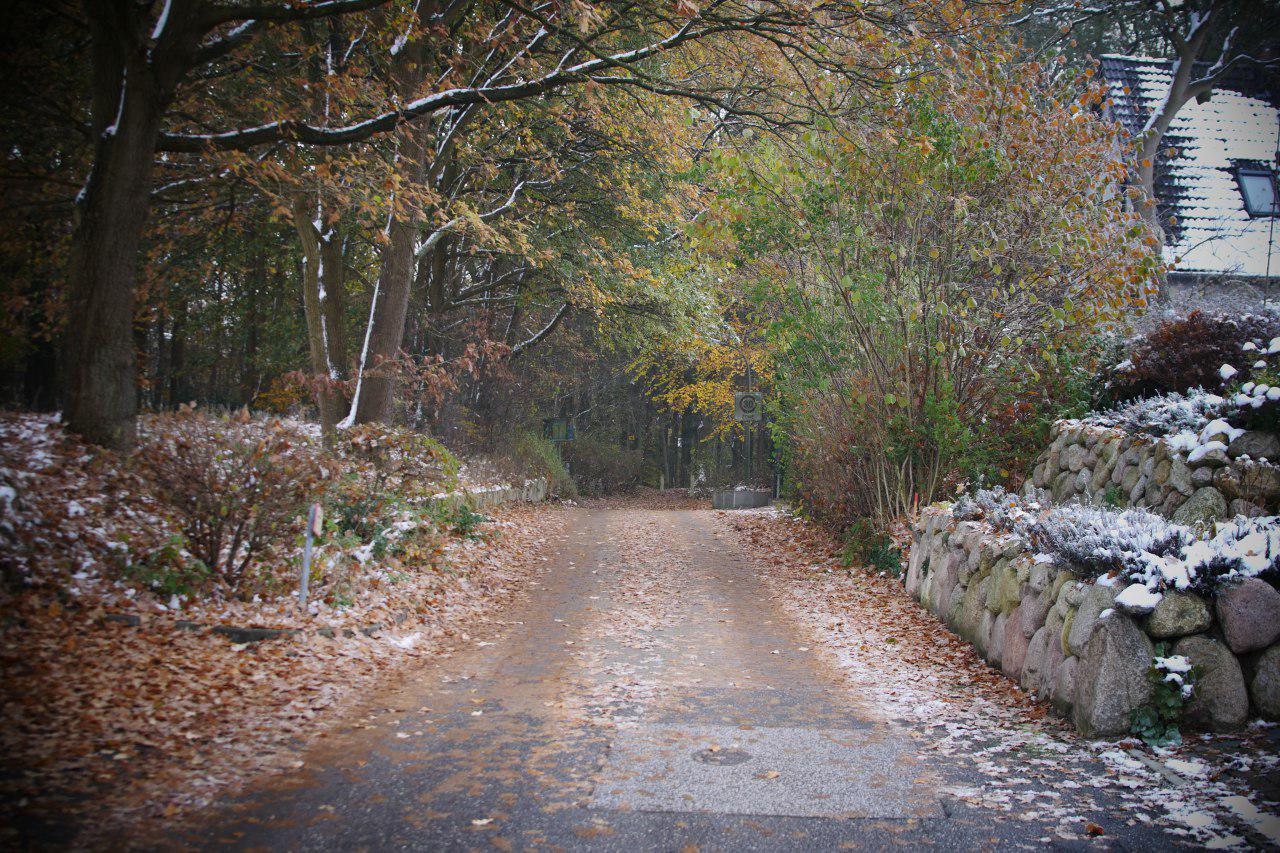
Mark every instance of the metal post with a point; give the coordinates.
(751, 450)
(314, 519)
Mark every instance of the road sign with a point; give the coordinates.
(748, 406)
(559, 429)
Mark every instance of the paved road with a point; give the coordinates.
(648, 695)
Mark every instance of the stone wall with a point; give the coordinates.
(1109, 466)
(488, 497)
(1217, 294)
(1065, 639)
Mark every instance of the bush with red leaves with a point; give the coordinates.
(1188, 352)
(234, 491)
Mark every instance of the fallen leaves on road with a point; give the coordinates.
(104, 724)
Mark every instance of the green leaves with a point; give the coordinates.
(1157, 722)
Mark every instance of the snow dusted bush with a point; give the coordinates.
(1140, 551)
(1193, 375)
(1246, 547)
(1188, 352)
(1131, 544)
(234, 485)
(1170, 414)
(1198, 421)
(1256, 404)
(1000, 508)
(401, 459)
(384, 470)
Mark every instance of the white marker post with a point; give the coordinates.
(315, 518)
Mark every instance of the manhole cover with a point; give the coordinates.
(721, 757)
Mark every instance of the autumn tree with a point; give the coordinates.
(150, 60)
(928, 272)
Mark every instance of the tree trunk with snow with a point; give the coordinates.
(100, 379)
(313, 275)
(390, 307)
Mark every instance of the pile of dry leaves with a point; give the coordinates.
(107, 722)
(91, 703)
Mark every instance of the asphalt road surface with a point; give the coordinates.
(646, 695)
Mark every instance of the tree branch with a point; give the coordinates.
(542, 333)
(309, 134)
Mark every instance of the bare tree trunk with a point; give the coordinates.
(391, 306)
(688, 435)
(334, 285)
(101, 376)
(133, 77)
(177, 357)
(249, 361)
(1153, 135)
(312, 265)
(1186, 82)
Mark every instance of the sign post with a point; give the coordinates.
(315, 520)
(559, 429)
(748, 408)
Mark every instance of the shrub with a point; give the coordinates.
(416, 535)
(1094, 542)
(459, 517)
(1256, 404)
(1134, 546)
(1173, 681)
(1187, 352)
(386, 469)
(1088, 540)
(867, 545)
(355, 506)
(1168, 414)
(169, 570)
(600, 468)
(1001, 509)
(282, 396)
(936, 311)
(234, 485)
(1191, 419)
(405, 460)
(1192, 371)
(535, 456)
(1246, 547)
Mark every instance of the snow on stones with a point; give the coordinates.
(1137, 600)
(1088, 614)
(1028, 765)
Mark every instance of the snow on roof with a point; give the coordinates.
(1207, 229)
